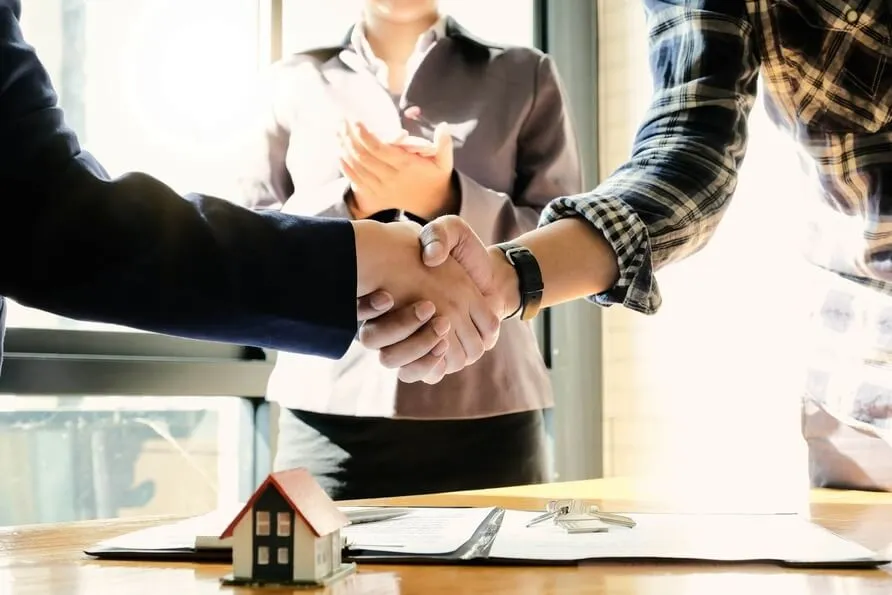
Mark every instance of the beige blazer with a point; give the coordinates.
(514, 152)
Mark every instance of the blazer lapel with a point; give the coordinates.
(440, 89)
(359, 96)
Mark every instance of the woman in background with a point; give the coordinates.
(329, 145)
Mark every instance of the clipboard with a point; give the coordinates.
(788, 540)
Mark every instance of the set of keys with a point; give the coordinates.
(575, 516)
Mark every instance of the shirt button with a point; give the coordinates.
(852, 16)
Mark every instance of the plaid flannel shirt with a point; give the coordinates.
(826, 81)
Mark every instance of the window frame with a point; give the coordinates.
(67, 362)
(567, 30)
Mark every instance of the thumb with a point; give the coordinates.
(452, 236)
(440, 237)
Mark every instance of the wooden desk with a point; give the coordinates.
(48, 559)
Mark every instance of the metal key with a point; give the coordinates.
(553, 510)
(581, 523)
(611, 518)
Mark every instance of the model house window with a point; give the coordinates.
(283, 524)
(282, 555)
(262, 522)
(263, 555)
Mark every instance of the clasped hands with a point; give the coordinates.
(431, 299)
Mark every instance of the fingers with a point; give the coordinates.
(422, 354)
(430, 368)
(487, 323)
(425, 152)
(399, 138)
(429, 372)
(386, 158)
(442, 139)
(436, 374)
(409, 342)
(362, 168)
(471, 345)
(418, 146)
(388, 331)
(374, 305)
(456, 358)
(410, 353)
(369, 170)
(477, 332)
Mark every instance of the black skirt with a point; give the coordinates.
(365, 457)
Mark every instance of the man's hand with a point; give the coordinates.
(443, 241)
(389, 260)
(397, 175)
(451, 237)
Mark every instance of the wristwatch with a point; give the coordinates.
(529, 279)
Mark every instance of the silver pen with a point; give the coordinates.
(374, 515)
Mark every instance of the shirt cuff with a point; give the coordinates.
(636, 288)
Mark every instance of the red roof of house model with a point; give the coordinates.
(305, 497)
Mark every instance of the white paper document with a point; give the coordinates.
(180, 535)
(201, 532)
(463, 534)
(424, 531)
(714, 537)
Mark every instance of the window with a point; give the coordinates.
(262, 523)
(110, 458)
(139, 101)
(282, 555)
(717, 366)
(154, 85)
(262, 555)
(283, 524)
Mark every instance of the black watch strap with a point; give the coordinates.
(529, 279)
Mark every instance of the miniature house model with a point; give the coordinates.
(289, 532)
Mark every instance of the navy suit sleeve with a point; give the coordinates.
(131, 251)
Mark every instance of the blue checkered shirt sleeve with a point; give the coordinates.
(665, 202)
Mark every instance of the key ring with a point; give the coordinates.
(559, 510)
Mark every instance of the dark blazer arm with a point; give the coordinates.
(132, 251)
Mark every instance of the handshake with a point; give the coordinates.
(430, 299)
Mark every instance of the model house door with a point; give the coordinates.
(273, 538)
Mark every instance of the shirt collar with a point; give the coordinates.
(426, 40)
